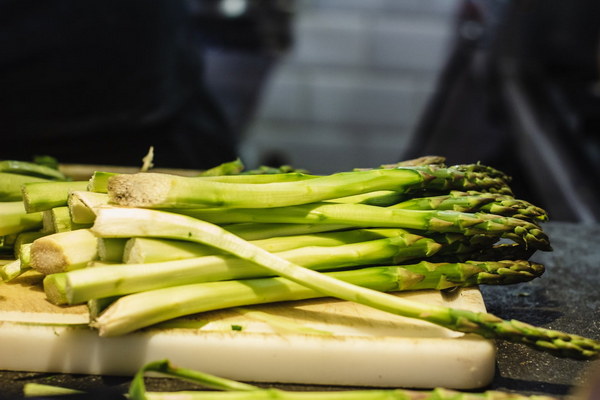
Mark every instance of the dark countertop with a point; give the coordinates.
(565, 298)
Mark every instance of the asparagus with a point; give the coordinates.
(40, 196)
(472, 201)
(233, 390)
(145, 250)
(14, 218)
(149, 307)
(120, 222)
(10, 185)
(170, 191)
(362, 215)
(64, 251)
(58, 219)
(81, 285)
(31, 169)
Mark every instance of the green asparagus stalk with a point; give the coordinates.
(362, 215)
(256, 231)
(233, 390)
(143, 309)
(64, 251)
(81, 285)
(81, 205)
(31, 169)
(170, 191)
(14, 218)
(40, 196)
(11, 184)
(127, 222)
(141, 250)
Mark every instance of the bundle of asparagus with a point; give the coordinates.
(165, 246)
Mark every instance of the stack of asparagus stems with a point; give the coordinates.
(148, 247)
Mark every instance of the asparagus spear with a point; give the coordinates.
(64, 251)
(40, 196)
(10, 185)
(146, 308)
(14, 218)
(81, 285)
(169, 191)
(145, 250)
(31, 169)
(362, 215)
(120, 222)
(233, 390)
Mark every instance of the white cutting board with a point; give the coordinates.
(346, 344)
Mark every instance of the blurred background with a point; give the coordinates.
(322, 85)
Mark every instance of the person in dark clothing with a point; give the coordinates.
(99, 82)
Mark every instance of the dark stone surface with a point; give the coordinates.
(565, 298)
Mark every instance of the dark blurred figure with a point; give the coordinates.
(520, 92)
(99, 82)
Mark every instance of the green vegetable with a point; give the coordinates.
(81, 285)
(233, 390)
(31, 169)
(11, 184)
(147, 308)
(14, 218)
(362, 215)
(40, 196)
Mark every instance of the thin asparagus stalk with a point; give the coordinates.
(476, 201)
(11, 184)
(14, 218)
(79, 286)
(362, 215)
(31, 169)
(256, 231)
(119, 222)
(143, 309)
(233, 390)
(170, 191)
(40, 196)
(64, 251)
(146, 250)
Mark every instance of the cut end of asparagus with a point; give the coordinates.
(64, 251)
(139, 190)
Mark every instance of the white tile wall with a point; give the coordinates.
(351, 89)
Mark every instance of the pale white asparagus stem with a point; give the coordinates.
(64, 251)
(82, 203)
(84, 284)
(140, 250)
(11, 270)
